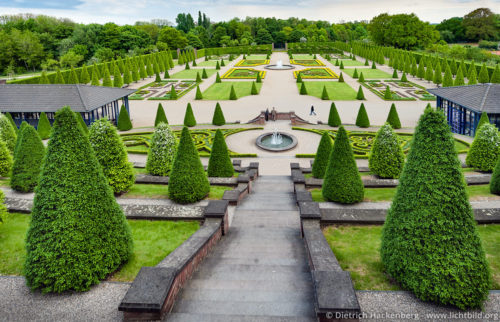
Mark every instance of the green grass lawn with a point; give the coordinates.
(153, 240)
(255, 57)
(210, 63)
(386, 194)
(191, 73)
(349, 62)
(160, 191)
(368, 73)
(357, 249)
(336, 91)
(304, 56)
(220, 91)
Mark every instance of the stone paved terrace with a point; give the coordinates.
(259, 271)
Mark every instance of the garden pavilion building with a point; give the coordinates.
(463, 105)
(27, 102)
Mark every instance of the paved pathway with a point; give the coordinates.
(259, 271)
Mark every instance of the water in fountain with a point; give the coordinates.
(276, 138)
(279, 64)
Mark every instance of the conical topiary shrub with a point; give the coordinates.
(355, 74)
(81, 122)
(44, 127)
(342, 182)
(362, 119)
(160, 115)
(11, 120)
(173, 93)
(430, 244)
(395, 73)
(484, 151)
(187, 66)
(218, 118)
(386, 156)
(204, 74)
(373, 65)
(232, 94)
(198, 78)
(124, 123)
(299, 78)
(161, 154)
(217, 78)
(341, 65)
(18, 139)
(484, 76)
(254, 90)
(341, 78)
(484, 119)
(7, 133)
(393, 117)
(166, 75)
(5, 160)
(324, 94)
(259, 78)
(27, 160)
(404, 78)
(387, 93)
(110, 152)
(188, 181)
(322, 155)
(303, 89)
(189, 119)
(70, 246)
(361, 77)
(494, 182)
(217, 66)
(199, 95)
(157, 78)
(219, 163)
(333, 116)
(360, 96)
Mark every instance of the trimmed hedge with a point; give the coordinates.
(81, 122)
(362, 118)
(342, 181)
(386, 158)
(160, 115)
(5, 160)
(124, 123)
(393, 117)
(27, 160)
(485, 149)
(218, 118)
(333, 116)
(322, 154)
(110, 152)
(430, 244)
(44, 127)
(219, 163)
(189, 119)
(188, 181)
(7, 133)
(161, 154)
(78, 234)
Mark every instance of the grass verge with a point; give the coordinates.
(221, 91)
(336, 91)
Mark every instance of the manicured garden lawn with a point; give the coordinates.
(386, 194)
(336, 91)
(349, 62)
(160, 191)
(210, 63)
(304, 56)
(255, 57)
(153, 240)
(368, 73)
(191, 73)
(220, 91)
(357, 249)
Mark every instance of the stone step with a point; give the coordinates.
(297, 285)
(217, 269)
(246, 295)
(254, 261)
(248, 250)
(187, 317)
(282, 309)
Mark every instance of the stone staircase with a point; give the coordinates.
(259, 271)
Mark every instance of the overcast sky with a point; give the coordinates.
(130, 11)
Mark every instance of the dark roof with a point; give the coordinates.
(481, 97)
(50, 98)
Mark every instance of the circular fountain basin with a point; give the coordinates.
(279, 67)
(264, 142)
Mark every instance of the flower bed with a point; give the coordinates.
(243, 73)
(139, 142)
(252, 62)
(161, 90)
(306, 62)
(316, 73)
(401, 91)
(361, 142)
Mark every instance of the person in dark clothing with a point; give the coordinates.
(266, 115)
(312, 110)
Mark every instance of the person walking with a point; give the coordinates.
(273, 114)
(312, 110)
(266, 114)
